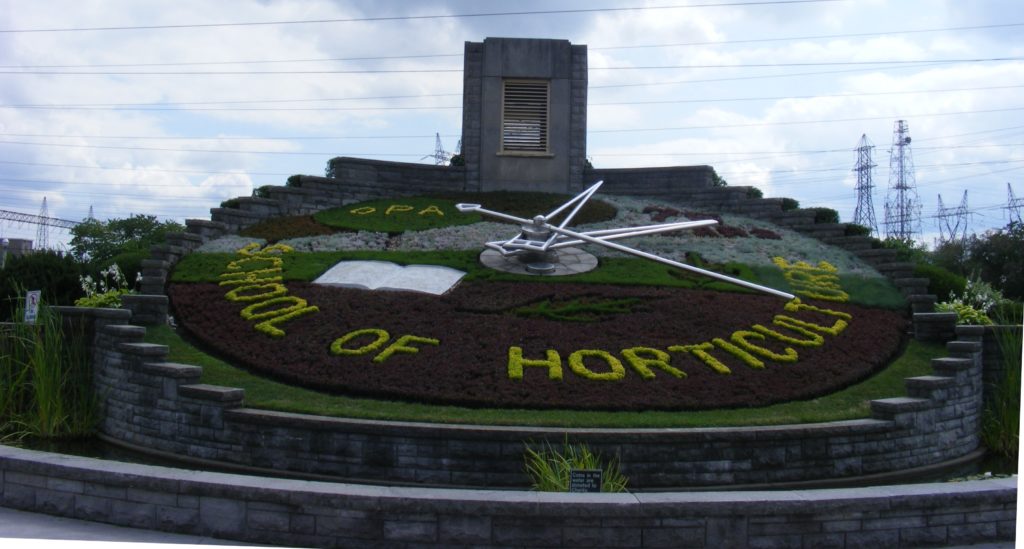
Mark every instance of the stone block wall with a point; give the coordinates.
(319, 514)
(155, 405)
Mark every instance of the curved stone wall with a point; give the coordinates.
(162, 406)
(320, 514)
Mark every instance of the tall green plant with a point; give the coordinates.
(46, 379)
(549, 468)
(1000, 430)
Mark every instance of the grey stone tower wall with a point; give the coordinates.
(578, 118)
(486, 66)
(472, 99)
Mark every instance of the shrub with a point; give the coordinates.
(979, 295)
(853, 229)
(549, 468)
(940, 281)
(230, 203)
(789, 204)
(972, 306)
(54, 273)
(754, 192)
(965, 314)
(106, 291)
(907, 250)
(457, 160)
(130, 263)
(825, 215)
(718, 181)
(998, 259)
(295, 180)
(262, 191)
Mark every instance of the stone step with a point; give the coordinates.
(912, 286)
(878, 255)
(896, 270)
(854, 243)
(922, 303)
(205, 229)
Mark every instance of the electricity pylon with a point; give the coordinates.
(952, 221)
(864, 213)
(902, 206)
(1013, 205)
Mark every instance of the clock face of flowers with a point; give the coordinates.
(534, 343)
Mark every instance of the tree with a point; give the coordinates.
(996, 257)
(102, 241)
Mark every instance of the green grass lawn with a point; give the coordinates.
(261, 392)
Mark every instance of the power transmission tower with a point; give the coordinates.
(90, 217)
(902, 206)
(952, 221)
(440, 155)
(18, 217)
(1013, 204)
(864, 213)
(43, 231)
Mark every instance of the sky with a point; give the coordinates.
(168, 108)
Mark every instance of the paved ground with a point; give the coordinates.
(31, 530)
(23, 529)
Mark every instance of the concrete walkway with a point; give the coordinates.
(24, 529)
(31, 530)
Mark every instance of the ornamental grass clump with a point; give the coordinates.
(45, 380)
(1000, 424)
(549, 468)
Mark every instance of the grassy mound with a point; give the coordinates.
(396, 215)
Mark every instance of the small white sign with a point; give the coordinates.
(32, 306)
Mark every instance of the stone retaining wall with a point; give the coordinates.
(304, 513)
(163, 406)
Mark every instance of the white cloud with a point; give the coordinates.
(947, 149)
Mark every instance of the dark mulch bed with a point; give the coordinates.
(476, 327)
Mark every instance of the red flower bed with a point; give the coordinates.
(475, 327)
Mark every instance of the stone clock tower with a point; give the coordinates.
(524, 115)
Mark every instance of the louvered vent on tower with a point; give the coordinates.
(524, 116)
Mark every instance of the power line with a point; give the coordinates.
(143, 169)
(437, 55)
(234, 102)
(413, 17)
(459, 70)
(797, 122)
(811, 37)
(167, 106)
